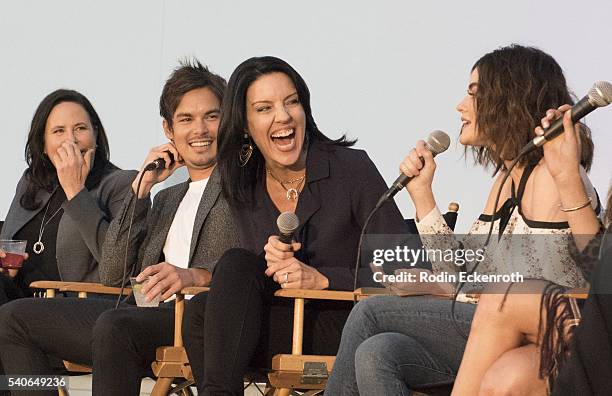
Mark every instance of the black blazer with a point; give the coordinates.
(342, 186)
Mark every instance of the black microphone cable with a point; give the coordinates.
(437, 142)
(363, 231)
(127, 244)
(159, 163)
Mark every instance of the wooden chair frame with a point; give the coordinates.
(83, 289)
(171, 361)
(287, 369)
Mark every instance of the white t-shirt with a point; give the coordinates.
(178, 242)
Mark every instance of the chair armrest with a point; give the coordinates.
(79, 287)
(581, 293)
(97, 288)
(193, 290)
(373, 291)
(47, 284)
(315, 294)
(50, 287)
(365, 292)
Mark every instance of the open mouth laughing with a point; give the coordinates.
(284, 139)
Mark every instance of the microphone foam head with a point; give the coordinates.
(287, 222)
(601, 94)
(438, 142)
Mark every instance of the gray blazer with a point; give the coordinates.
(82, 227)
(214, 231)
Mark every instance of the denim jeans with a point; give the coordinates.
(391, 345)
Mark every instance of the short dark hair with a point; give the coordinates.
(239, 182)
(190, 75)
(41, 173)
(516, 85)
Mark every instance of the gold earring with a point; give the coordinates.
(245, 151)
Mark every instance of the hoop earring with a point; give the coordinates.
(245, 151)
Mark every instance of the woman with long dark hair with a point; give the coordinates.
(393, 345)
(66, 197)
(273, 158)
(519, 341)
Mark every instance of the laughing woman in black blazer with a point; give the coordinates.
(274, 159)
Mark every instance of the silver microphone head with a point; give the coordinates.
(600, 94)
(287, 223)
(438, 142)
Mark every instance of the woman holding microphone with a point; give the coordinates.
(273, 158)
(393, 345)
(519, 341)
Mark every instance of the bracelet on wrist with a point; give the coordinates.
(583, 205)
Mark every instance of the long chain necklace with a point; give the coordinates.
(39, 247)
(294, 192)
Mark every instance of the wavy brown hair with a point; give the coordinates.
(516, 85)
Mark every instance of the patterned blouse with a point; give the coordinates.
(534, 249)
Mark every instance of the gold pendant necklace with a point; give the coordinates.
(292, 193)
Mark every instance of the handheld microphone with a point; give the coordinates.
(437, 142)
(159, 163)
(287, 223)
(599, 95)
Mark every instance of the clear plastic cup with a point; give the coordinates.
(140, 298)
(14, 251)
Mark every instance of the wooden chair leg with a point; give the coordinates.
(162, 387)
(183, 389)
(298, 326)
(185, 392)
(62, 391)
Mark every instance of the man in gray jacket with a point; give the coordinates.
(175, 244)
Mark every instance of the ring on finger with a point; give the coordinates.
(286, 280)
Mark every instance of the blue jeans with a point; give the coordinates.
(392, 344)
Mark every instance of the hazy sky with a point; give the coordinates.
(385, 72)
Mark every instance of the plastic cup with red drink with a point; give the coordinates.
(12, 253)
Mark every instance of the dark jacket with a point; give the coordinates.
(342, 187)
(83, 225)
(214, 231)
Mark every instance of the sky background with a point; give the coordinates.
(385, 72)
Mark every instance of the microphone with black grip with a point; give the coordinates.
(599, 95)
(437, 142)
(159, 163)
(287, 223)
